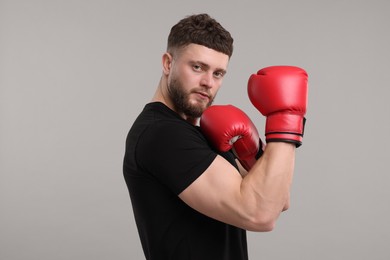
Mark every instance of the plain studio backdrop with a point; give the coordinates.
(75, 74)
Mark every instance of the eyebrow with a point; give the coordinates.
(206, 66)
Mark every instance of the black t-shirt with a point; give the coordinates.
(164, 155)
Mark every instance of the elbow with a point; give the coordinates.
(266, 221)
(286, 207)
(264, 227)
(262, 223)
(287, 204)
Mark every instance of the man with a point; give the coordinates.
(188, 196)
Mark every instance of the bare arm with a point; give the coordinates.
(244, 172)
(253, 202)
(241, 169)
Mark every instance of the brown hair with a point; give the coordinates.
(203, 30)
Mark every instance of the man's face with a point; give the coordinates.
(195, 77)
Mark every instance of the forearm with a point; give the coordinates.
(266, 187)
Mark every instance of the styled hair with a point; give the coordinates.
(203, 30)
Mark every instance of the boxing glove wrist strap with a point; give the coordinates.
(283, 127)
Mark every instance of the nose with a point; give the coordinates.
(207, 80)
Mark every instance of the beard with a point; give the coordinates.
(181, 99)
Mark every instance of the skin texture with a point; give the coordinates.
(197, 71)
(251, 200)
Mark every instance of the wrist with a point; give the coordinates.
(285, 127)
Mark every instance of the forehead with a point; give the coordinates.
(200, 53)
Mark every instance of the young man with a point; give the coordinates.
(189, 199)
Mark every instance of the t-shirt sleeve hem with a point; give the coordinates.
(194, 174)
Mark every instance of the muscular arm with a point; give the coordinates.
(241, 169)
(244, 172)
(253, 202)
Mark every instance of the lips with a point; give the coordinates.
(203, 94)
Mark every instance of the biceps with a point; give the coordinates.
(216, 193)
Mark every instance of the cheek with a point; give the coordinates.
(218, 85)
(182, 74)
(189, 76)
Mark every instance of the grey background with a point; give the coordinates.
(74, 75)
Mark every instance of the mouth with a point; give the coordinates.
(203, 95)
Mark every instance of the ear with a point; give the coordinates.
(167, 63)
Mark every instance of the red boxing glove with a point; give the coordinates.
(280, 93)
(227, 127)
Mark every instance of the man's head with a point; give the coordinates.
(200, 29)
(198, 52)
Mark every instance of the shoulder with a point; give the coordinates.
(161, 123)
(173, 137)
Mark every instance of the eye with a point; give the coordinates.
(197, 67)
(219, 74)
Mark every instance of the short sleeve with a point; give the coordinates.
(175, 153)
